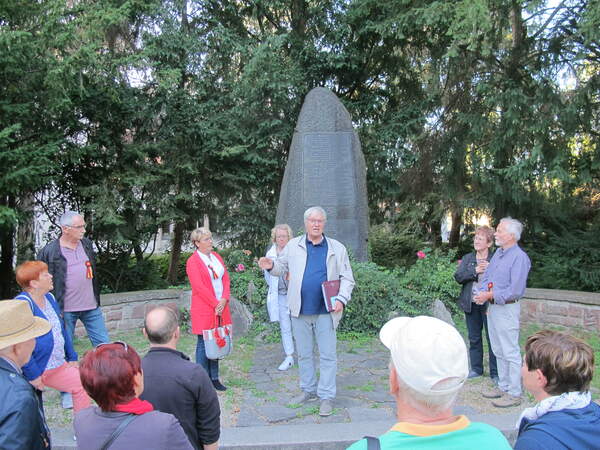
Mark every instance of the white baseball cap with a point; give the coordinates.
(425, 351)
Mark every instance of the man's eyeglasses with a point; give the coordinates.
(124, 344)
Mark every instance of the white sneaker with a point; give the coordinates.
(287, 363)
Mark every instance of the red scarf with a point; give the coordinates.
(135, 406)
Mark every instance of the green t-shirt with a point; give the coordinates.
(459, 435)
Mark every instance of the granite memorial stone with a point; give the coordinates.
(326, 168)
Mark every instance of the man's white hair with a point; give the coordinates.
(315, 210)
(66, 220)
(513, 226)
(428, 404)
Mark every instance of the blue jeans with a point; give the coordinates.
(210, 365)
(308, 329)
(92, 320)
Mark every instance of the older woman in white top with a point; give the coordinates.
(277, 303)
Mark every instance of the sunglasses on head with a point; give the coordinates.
(124, 344)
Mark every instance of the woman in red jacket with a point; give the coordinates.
(210, 296)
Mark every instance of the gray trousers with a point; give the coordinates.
(306, 329)
(503, 325)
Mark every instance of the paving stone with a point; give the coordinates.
(344, 401)
(249, 418)
(380, 397)
(369, 363)
(277, 413)
(361, 414)
(464, 409)
(339, 415)
(260, 378)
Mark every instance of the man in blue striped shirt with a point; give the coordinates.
(503, 285)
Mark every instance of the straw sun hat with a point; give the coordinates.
(18, 324)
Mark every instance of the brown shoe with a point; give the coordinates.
(492, 393)
(506, 401)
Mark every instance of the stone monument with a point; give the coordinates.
(326, 167)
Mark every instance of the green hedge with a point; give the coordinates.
(391, 249)
(378, 293)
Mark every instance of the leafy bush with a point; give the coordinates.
(433, 277)
(378, 292)
(567, 261)
(124, 274)
(392, 249)
(238, 260)
(250, 288)
(162, 263)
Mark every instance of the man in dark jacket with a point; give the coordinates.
(175, 385)
(22, 424)
(72, 262)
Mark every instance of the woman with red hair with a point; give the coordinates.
(112, 375)
(54, 360)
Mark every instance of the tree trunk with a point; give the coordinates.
(7, 233)
(454, 236)
(175, 252)
(25, 233)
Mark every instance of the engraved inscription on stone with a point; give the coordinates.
(326, 180)
(326, 167)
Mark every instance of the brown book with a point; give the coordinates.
(330, 290)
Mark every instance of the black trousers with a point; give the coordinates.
(476, 322)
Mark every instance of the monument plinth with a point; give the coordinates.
(326, 167)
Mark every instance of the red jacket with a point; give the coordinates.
(204, 301)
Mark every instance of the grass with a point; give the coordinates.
(528, 329)
(235, 369)
(367, 387)
(233, 372)
(591, 338)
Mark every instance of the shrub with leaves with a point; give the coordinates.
(392, 249)
(377, 294)
(432, 277)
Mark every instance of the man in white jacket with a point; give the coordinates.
(310, 260)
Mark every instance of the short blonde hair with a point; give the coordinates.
(281, 226)
(486, 231)
(198, 234)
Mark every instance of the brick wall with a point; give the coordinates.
(565, 308)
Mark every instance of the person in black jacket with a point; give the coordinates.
(175, 385)
(469, 272)
(22, 424)
(72, 263)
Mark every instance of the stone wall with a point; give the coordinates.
(565, 308)
(125, 311)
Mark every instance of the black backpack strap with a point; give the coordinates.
(373, 443)
(118, 431)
